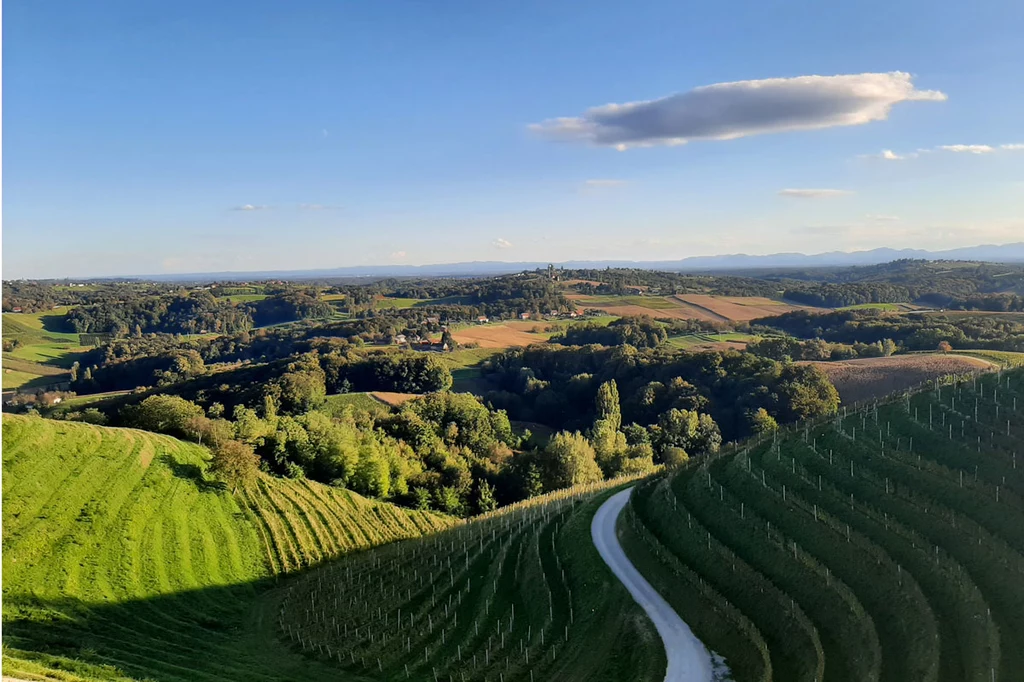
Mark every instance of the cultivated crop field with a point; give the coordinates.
(122, 561)
(519, 595)
(884, 544)
(735, 308)
(869, 378)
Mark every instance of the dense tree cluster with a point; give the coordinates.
(787, 348)
(557, 386)
(197, 312)
(915, 331)
(194, 312)
(640, 332)
(287, 307)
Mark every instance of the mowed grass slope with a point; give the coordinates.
(122, 561)
(887, 544)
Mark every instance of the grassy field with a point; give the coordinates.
(122, 561)
(1000, 357)
(244, 298)
(725, 340)
(883, 545)
(45, 351)
(888, 307)
(388, 302)
(359, 402)
(652, 302)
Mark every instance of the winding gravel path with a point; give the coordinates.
(688, 659)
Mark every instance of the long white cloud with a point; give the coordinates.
(889, 155)
(967, 148)
(726, 111)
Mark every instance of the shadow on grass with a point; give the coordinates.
(191, 472)
(216, 633)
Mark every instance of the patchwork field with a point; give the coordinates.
(122, 561)
(869, 378)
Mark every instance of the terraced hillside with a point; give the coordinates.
(122, 561)
(887, 544)
(522, 595)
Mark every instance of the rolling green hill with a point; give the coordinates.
(122, 561)
(887, 544)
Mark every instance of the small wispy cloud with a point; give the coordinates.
(811, 193)
(882, 218)
(398, 255)
(251, 207)
(1014, 147)
(501, 243)
(726, 111)
(890, 155)
(966, 148)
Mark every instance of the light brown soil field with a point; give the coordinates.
(867, 378)
(501, 335)
(759, 301)
(680, 313)
(737, 308)
(720, 345)
(390, 398)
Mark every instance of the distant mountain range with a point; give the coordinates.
(1005, 253)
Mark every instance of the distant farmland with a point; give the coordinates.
(502, 335)
(687, 306)
(867, 378)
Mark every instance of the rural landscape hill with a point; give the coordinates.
(884, 544)
(122, 560)
(399, 479)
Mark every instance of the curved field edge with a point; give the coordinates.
(121, 560)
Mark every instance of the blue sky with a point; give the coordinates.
(144, 138)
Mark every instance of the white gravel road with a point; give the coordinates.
(688, 659)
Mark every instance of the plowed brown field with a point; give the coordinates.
(868, 378)
(501, 335)
(737, 308)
